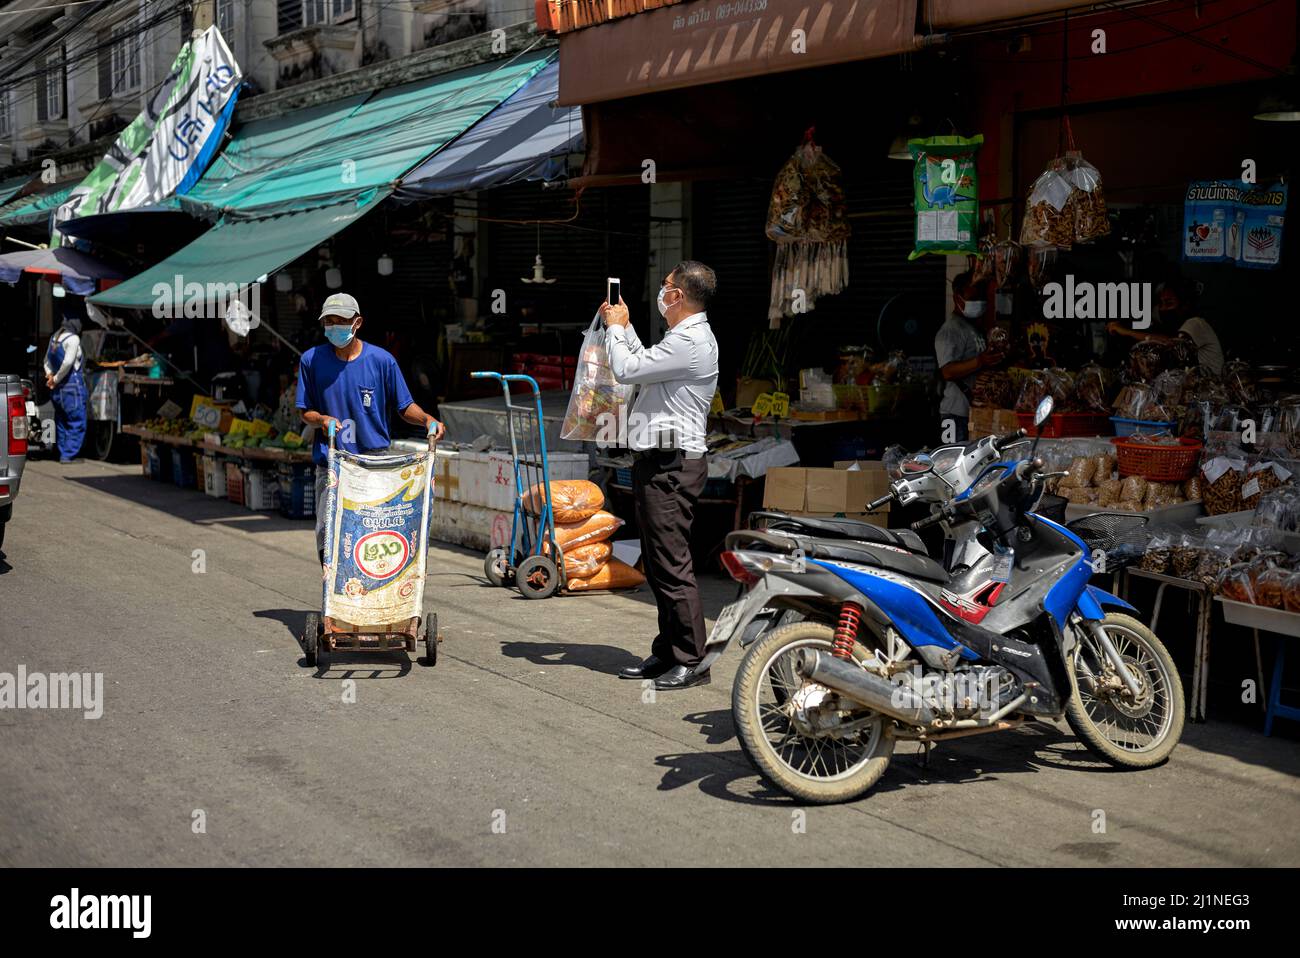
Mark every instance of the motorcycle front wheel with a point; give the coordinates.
(1128, 732)
(772, 707)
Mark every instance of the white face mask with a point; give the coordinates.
(663, 307)
(974, 310)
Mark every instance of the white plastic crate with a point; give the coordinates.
(214, 476)
(501, 475)
(261, 490)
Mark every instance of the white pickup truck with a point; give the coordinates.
(15, 410)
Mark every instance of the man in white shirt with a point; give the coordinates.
(67, 383)
(667, 427)
(1176, 305)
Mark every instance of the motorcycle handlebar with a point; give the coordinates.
(873, 506)
(1009, 438)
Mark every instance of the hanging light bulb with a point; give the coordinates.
(385, 265)
(539, 270)
(283, 282)
(58, 291)
(333, 277)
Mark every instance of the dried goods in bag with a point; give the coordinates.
(596, 405)
(572, 500)
(1158, 553)
(582, 562)
(807, 220)
(1235, 584)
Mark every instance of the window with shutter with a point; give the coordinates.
(288, 15)
(42, 84)
(103, 40)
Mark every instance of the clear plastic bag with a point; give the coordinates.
(597, 398)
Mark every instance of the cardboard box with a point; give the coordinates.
(784, 489)
(836, 491)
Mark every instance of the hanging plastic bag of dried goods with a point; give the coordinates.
(945, 195)
(806, 219)
(597, 400)
(1089, 202)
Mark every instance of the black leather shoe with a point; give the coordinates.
(682, 677)
(651, 668)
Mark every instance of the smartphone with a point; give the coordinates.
(612, 291)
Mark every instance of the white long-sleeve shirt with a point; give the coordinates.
(677, 376)
(71, 344)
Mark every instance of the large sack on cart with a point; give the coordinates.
(597, 527)
(572, 500)
(583, 562)
(376, 520)
(614, 574)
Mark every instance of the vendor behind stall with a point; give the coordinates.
(960, 348)
(1176, 306)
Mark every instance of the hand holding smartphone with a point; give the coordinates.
(613, 290)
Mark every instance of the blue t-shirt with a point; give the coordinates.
(363, 391)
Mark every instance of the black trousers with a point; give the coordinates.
(667, 485)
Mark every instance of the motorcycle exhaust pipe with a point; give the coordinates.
(856, 683)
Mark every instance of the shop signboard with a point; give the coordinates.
(1227, 221)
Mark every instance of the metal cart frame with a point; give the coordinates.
(534, 562)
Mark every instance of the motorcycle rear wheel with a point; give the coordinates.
(1103, 726)
(847, 771)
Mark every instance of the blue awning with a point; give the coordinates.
(525, 138)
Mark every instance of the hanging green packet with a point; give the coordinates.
(945, 189)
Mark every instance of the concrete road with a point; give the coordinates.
(218, 747)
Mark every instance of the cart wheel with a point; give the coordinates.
(310, 637)
(496, 566)
(430, 632)
(537, 577)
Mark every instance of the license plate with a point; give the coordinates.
(726, 623)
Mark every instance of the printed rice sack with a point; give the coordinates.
(614, 574)
(572, 500)
(377, 515)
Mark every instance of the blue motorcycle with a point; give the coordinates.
(875, 649)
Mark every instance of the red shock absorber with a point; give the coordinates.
(846, 632)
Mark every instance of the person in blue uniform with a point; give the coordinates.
(356, 385)
(67, 382)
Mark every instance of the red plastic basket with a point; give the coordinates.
(1067, 425)
(1161, 463)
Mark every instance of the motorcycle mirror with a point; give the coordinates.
(916, 464)
(1044, 411)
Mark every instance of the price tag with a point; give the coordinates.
(763, 405)
(781, 405)
(169, 410)
(209, 417)
(717, 405)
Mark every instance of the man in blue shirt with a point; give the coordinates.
(356, 385)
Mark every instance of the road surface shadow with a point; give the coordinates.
(605, 659)
(188, 503)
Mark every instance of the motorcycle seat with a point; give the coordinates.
(834, 528)
(918, 566)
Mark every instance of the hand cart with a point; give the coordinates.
(323, 635)
(534, 561)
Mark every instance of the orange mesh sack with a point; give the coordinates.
(614, 574)
(595, 528)
(582, 562)
(572, 499)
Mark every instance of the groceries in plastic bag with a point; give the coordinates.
(596, 403)
(376, 517)
(614, 574)
(572, 500)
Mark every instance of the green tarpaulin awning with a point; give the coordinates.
(234, 253)
(285, 184)
(11, 186)
(357, 143)
(34, 211)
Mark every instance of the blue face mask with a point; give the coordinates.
(339, 336)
